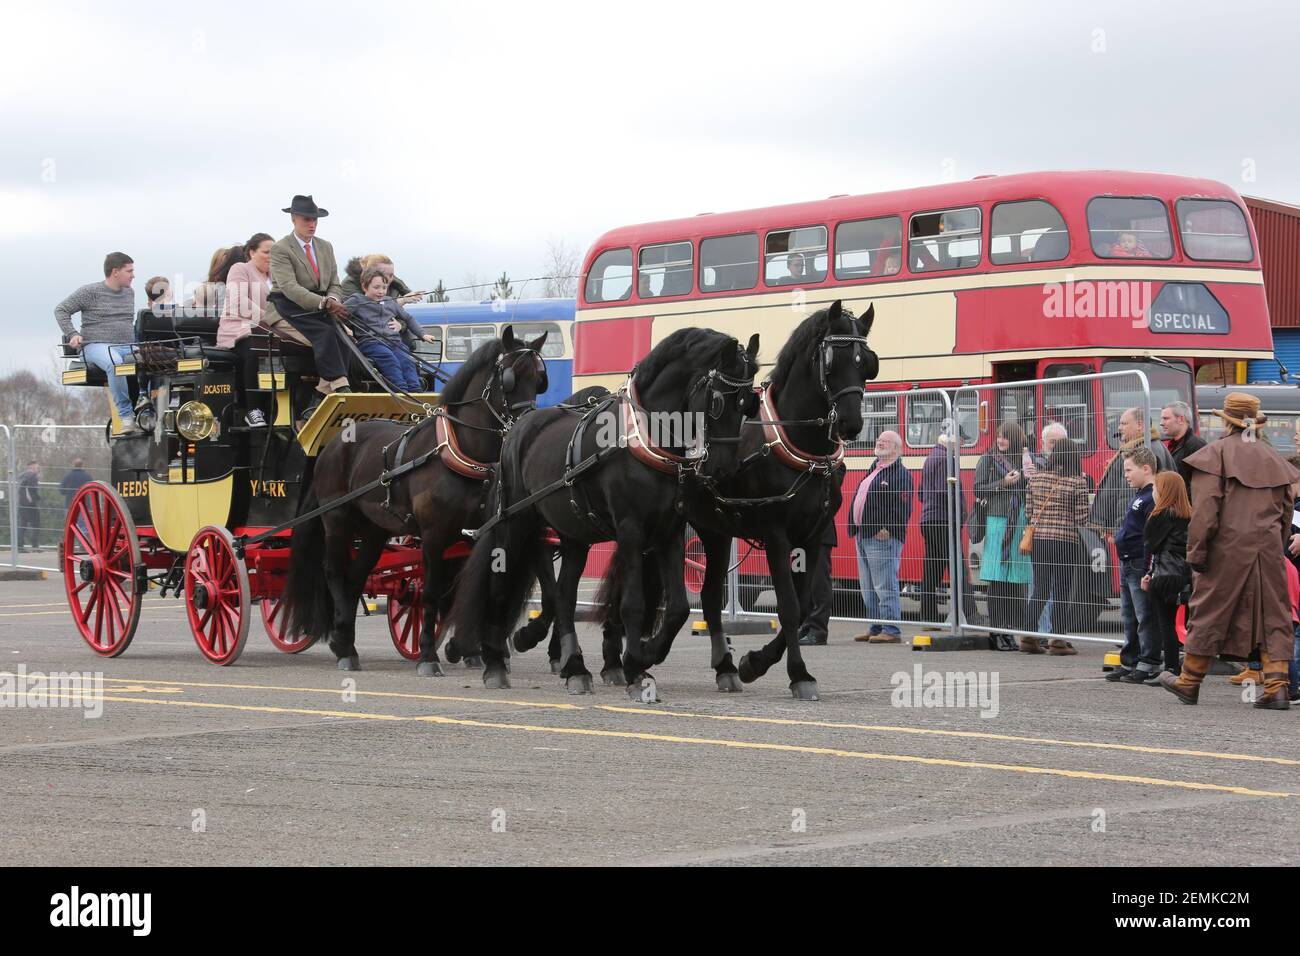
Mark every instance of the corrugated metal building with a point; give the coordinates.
(1277, 225)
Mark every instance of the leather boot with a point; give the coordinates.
(1276, 694)
(1187, 685)
(1247, 674)
(1031, 645)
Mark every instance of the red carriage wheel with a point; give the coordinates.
(216, 595)
(695, 565)
(273, 621)
(406, 617)
(99, 556)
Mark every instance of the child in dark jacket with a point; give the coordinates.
(384, 320)
(1165, 549)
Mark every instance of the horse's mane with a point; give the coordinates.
(685, 348)
(482, 357)
(800, 345)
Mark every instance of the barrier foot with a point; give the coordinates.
(758, 625)
(947, 642)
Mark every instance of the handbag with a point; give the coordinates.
(1169, 576)
(978, 521)
(1027, 538)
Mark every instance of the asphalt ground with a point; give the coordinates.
(271, 761)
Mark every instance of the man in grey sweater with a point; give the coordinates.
(107, 327)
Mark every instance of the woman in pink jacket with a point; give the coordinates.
(247, 286)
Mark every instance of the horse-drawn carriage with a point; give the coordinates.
(199, 500)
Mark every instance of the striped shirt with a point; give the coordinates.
(106, 316)
(1063, 503)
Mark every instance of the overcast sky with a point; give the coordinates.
(459, 138)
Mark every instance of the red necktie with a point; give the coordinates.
(311, 261)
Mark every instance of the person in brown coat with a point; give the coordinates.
(1242, 490)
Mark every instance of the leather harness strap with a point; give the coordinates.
(636, 427)
(449, 452)
(779, 442)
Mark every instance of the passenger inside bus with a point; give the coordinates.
(795, 268)
(1128, 246)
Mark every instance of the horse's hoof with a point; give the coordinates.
(579, 684)
(429, 669)
(613, 676)
(645, 691)
(729, 683)
(473, 662)
(452, 652)
(518, 642)
(350, 663)
(556, 667)
(804, 690)
(495, 680)
(746, 669)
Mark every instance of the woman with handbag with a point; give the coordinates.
(1168, 577)
(1058, 505)
(1000, 496)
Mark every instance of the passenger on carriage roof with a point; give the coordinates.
(107, 327)
(385, 319)
(307, 294)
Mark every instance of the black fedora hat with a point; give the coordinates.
(306, 206)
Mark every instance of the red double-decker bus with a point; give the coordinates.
(999, 279)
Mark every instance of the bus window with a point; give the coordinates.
(1211, 427)
(1016, 404)
(879, 414)
(1028, 231)
(464, 339)
(610, 279)
(869, 247)
(944, 240)
(1069, 403)
(795, 256)
(1280, 432)
(1124, 228)
(728, 263)
(1166, 385)
(1213, 229)
(925, 417)
(553, 347)
(430, 351)
(664, 270)
(968, 418)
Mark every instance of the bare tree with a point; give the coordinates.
(560, 269)
(473, 288)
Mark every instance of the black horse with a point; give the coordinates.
(435, 501)
(784, 491)
(607, 473)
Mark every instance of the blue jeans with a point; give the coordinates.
(1142, 647)
(393, 362)
(102, 355)
(878, 576)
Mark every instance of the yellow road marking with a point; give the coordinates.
(737, 718)
(67, 612)
(975, 734)
(46, 604)
(336, 691)
(714, 742)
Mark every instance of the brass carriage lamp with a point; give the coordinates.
(195, 421)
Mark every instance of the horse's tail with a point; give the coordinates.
(511, 548)
(611, 586)
(308, 604)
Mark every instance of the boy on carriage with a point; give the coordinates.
(384, 320)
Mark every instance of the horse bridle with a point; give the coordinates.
(712, 380)
(825, 357)
(503, 377)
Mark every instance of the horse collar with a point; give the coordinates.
(449, 452)
(636, 428)
(779, 442)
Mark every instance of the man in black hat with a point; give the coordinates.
(306, 293)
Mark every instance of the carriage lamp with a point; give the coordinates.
(195, 421)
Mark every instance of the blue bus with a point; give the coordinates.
(461, 327)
